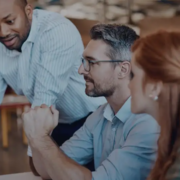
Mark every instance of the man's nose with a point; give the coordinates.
(4, 30)
(82, 71)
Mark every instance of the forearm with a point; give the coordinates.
(39, 165)
(58, 165)
(31, 164)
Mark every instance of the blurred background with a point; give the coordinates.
(144, 16)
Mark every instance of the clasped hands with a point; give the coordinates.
(39, 122)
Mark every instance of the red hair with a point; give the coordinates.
(159, 56)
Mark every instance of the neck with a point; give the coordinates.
(118, 98)
(19, 50)
(155, 111)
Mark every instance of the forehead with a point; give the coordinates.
(8, 7)
(97, 49)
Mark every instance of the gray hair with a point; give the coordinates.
(120, 39)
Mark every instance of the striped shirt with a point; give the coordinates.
(46, 71)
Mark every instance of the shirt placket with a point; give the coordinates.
(114, 126)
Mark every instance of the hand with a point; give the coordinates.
(40, 122)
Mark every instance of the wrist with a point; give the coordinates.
(38, 142)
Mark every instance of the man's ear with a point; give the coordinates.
(124, 69)
(29, 11)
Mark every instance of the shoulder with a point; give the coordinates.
(142, 124)
(96, 118)
(53, 21)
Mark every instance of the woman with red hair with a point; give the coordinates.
(155, 90)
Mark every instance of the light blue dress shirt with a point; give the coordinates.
(46, 71)
(123, 146)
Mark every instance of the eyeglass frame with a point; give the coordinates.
(94, 62)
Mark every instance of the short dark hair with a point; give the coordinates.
(119, 37)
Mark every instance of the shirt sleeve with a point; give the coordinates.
(3, 87)
(60, 47)
(135, 159)
(80, 146)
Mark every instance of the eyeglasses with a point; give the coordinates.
(86, 63)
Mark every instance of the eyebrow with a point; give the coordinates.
(90, 57)
(7, 16)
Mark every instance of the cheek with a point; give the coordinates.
(136, 96)
(92, 75)
(134, 88)
(101, 76)
(21, 27)
(18, 26)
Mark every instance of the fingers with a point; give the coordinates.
(55, 114)
(54, 111)
(26, 110)
(30, 111)
(44, 106)
(41, 108)
(36, 108)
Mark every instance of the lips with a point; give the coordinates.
(87, 79)
(9, 41)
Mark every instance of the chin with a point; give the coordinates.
(88, 89)
(90, 93)
(17, 48)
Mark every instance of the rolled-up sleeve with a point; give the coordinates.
(80, 146)
(135, 159)
(59, 51)
(3, 86)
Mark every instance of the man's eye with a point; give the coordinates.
(93, 63)
(10, 22)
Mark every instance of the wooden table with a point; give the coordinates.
(22, 176)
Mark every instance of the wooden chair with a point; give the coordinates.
(11, 102)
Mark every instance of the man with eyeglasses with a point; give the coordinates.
(123, 145)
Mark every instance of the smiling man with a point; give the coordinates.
(123, 145)
(11, 11)
(40, 56)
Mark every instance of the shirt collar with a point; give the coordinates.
(34, 27)
(108, 113)
(123, 114)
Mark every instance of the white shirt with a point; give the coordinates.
(46, 71)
